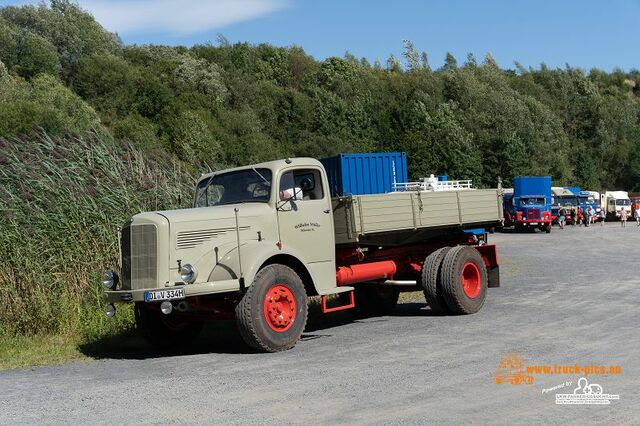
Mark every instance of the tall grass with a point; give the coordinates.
(62, 201)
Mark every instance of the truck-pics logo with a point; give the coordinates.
(512, 370)
(586, 393)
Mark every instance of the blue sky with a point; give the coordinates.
(602, 34)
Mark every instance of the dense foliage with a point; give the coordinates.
(229, 104)
(63, 201)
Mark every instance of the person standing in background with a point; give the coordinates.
(562, 217)
(603, 216)
(636, 213)
(587, 216)
(623, 218)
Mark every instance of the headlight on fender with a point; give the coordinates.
(110, 280)
(188, 273)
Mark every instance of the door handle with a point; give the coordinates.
(327, 211)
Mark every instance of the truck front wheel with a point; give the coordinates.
(464, 280)
(273, 312)
(165, 331)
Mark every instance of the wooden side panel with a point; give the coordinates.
(479, 206)
(381, 213)
(437, 208)
(385, 212)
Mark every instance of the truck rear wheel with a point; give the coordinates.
(165, 331)
(373, 299)
(431, 284)
(273, 312)
(464, 280)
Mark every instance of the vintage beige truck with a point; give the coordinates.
(261, 239)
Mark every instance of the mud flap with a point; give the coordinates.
(489, 254)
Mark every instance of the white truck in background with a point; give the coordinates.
(616, 201)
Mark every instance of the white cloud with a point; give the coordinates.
(176, 16)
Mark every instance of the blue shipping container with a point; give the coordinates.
(356, 174)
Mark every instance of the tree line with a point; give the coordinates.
(212, 105)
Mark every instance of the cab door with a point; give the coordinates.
(305, 219)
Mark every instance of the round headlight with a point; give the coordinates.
(188, 273)
(110, 280)
(110, 310)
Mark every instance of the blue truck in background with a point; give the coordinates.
(529, 205)
(585, 199)
(574, 198)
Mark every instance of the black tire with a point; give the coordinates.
(451, 275)
(251, 313)
(373, 299)
(431, 284)
(547, 229)
(165, 331)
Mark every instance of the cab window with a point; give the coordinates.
(301, 185)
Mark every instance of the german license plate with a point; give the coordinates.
(534, 223)
(169, 294)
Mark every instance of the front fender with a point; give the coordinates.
(253, 254)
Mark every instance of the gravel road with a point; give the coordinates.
(567, 298)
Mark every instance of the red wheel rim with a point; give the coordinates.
(280, 308)
(471, 279)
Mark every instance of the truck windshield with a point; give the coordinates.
(242, 186)
(567, 202)
(532, 201)
(623, 203)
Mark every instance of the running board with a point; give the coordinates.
(350, 305)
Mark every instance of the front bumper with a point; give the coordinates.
(533, 222)
(198, 289)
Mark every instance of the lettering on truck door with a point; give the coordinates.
(305, 218)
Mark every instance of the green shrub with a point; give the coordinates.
(63, 200)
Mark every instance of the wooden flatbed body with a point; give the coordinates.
(402, 217)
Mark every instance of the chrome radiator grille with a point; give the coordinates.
(139, 257)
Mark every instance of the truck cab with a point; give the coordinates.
(529, 206)
(615, 202)
(564, 198)
(587, 199)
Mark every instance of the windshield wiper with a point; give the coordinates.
(261, 177)
(206, 191)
